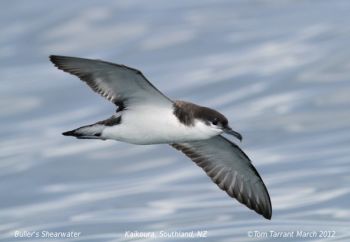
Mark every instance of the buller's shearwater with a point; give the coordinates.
(146, 116)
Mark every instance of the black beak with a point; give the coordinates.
(228, 130)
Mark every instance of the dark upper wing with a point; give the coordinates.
(120, 84)
(230, 168)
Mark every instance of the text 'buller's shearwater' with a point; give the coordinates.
(146, 116)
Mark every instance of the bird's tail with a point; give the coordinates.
(92, 131)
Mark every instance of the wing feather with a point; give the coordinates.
(231, 169)
(122, 85)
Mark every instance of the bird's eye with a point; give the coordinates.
(215, 121)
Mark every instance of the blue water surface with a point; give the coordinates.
(279, 70)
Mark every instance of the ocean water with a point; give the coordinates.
(279, 70)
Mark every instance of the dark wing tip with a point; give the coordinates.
(261, 206)
(55, 58)
(267, 215)
(58, 60)
(51, 57)
(268, 211)
(69, 133)
(265, 210)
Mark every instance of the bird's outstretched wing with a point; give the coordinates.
(231, 169)
(120, 84)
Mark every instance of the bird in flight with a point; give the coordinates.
(145, 116)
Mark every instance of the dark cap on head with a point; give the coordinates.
(187, 113)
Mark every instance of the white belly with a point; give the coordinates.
(156, 126)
